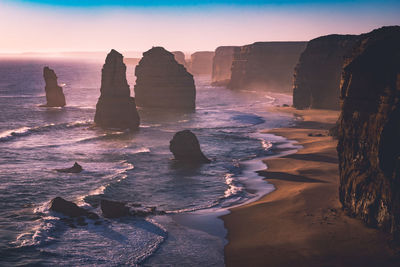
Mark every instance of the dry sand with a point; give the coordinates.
(301, 223)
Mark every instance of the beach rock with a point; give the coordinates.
(54, 93)
(186, 148)
(201, 63)
(180, 58)
(163, 83)
(70, 209)
(369, 130)
(113, 209)
(317, 75)
(115, 108)
(74, 169)
(222, 64)
(267, 66)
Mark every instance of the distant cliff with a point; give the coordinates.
(265, 66)
(131, 61)
(369, 130)
(54, 93)
(317, 75)
(180, 58)
(201, 63)
(222, 64)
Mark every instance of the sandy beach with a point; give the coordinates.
(301, 223)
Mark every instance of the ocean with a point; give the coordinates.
(135, 167)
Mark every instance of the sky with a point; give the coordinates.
(50, 26)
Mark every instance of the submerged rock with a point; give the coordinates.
(369, 130)
(163, 83)
(201, 63)
(186, 148)
(70, 209)
(222, 64)
(54, 93)
(115, 108)
(74, 169)
(113, 209)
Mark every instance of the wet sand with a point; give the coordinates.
(301, 223)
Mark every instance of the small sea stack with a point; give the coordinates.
(186, 148)
(222, 64)
(161, 82)
(180, 58)
(115, 107)
(201, 63)
(76, 168)
(369, 131)
(54, 93)
(317, 75)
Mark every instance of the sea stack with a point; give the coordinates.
(369, 131)
(222, 64)
(54, 93)
(180, 58)
(265, 66)
(201, 63)
(317, 75)
(186, 148)
(161, 82)
(115, 107)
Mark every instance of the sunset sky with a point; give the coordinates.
(99, 25)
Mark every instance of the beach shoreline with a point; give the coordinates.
(301, 223)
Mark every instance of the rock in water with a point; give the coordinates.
(369, 130)
(317, 75)
(185, 147)
(74, 169)
(54, 93)
(163, 83)
(201, 63)
(70, 209)
(113, 209)
(115, 108)
(222, 64)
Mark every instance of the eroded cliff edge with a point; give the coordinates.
(54, 93)
(222, 64)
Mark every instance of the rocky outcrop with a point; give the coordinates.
(317, 75)
(265, 66)
(222, 64)
(161, 82)
(70, 209)
(115, 108)
(186, 148)
(54, 93)
(113, 209)
(369, 130)
(201, 63)
(74, 169)
(180, 58)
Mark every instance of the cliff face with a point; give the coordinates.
(201, 63)
(115, 108)
(162, 82)
(222, 64)
(317, 75)
(180, 58)
(369, 130)
(54, 93)
(265, 66)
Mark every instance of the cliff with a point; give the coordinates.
(115, 108)
(369, 130)
(180, 58)
(265, 66)
(131, 61)
(317, 75)
(163, 83)
(201, 63)
(222, 64)
(54, 93)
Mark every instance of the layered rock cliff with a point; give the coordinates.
(54, 93)
(222, 64)
(180, 58)
(317, 75)
(265, 66)
(369, 130)
(162, 82)
(115, 107)
(201, 63)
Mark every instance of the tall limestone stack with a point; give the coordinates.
(201, 63)
(369, 130)
(54, 93)
(163, 83)
(222, 64)
(317, 75)
(180, 58)
(266, 66)
(115, 107)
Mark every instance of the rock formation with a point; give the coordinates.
(265, 66)
(54, 93)
(70, 209)
(186, 148)
(114, 209)
(162, 82)
(317, 75)
(74, 169)
(180, 58)
(222, 64)
(369, 130)
(115, 108)
(201, 63)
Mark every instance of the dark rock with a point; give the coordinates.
(285, 105)
(115, 108)
(201, 63)
(369, 130)
(265, 66)
(70, 209)
(186, 148)
(54, 93)
(163, 83)
(113, 209)
(317, 75)
(81, 221)
(74, 169)
(222, 64)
